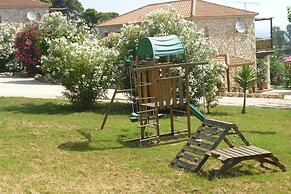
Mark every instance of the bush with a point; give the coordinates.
(277, 70)
(55, 25)
(85, 69)
(7, 38)
(287, 71)
(26, 48)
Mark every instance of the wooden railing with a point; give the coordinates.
(264, 44)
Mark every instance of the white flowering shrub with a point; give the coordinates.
(85, 69)
(7, 38)
(169, 22)
(55, 25)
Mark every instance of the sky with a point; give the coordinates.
(265, 8)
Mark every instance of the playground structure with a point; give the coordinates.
(159, 87)
(165, 86)
(205, 141)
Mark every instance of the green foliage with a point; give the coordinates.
(287, 74)
(74, 7)
(289, 13)
(277, 70)
(245, 77)
(92, 17)
(279, 37)
(288, 33)
(261, 71)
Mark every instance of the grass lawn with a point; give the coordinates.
(44, 148)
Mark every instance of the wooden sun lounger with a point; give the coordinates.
(204, 142)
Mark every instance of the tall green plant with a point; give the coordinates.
(245, 78)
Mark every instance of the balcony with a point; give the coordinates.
(264, 45)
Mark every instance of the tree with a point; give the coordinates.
(74, 7)
(92, 17)
(289, 13)
(279, 36)
(245, 78)
(288, 33)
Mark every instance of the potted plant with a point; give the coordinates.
(261, 75)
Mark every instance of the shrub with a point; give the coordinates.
(277, 70)
(85, 69)
(245, 77)
(55, 25)
(287, 71)
(7, 38)
(26, 48)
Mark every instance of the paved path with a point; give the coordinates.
(28, 87)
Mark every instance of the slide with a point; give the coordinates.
(199, 115)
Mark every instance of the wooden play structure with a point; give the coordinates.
(205, 141)
(159, 86)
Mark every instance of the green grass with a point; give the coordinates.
(44, 147)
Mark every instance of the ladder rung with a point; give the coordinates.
(148, 125)
(123, 91)
(179, 111)
(146, 111)
(143, 85)
(146, 98)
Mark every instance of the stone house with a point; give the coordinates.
(236, 44)
(15, 11)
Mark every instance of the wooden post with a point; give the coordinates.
(172, 120)
(118, 83)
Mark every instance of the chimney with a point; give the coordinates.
(193, 8)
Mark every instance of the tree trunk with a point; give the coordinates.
(244, 105)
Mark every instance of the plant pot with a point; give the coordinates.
(262, 86)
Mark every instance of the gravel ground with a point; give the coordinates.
(30, 88)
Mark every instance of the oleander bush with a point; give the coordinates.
(7, 37)
(85, 69)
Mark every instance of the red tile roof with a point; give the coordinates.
(183, 7)
(23, 4)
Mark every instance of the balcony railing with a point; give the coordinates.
(264, 44)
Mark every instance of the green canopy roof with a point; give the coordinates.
(160, 46)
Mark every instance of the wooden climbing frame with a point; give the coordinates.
(209, 135)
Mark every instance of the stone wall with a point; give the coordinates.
(223, 35)
(14, 15)
(103, 31)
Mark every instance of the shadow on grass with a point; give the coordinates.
(52, 108)
(240, 170)
(90, 145)
(219, 114)
(260, 132)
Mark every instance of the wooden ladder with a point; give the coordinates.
(196, 151)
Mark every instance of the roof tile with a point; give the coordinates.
(183, 7)
(22, 3)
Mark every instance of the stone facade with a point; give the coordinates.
(103, 31)
(19, 15)
(222, 34)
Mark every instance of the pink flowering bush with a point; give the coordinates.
(287, 59)
(287, 70)
(26, 50)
